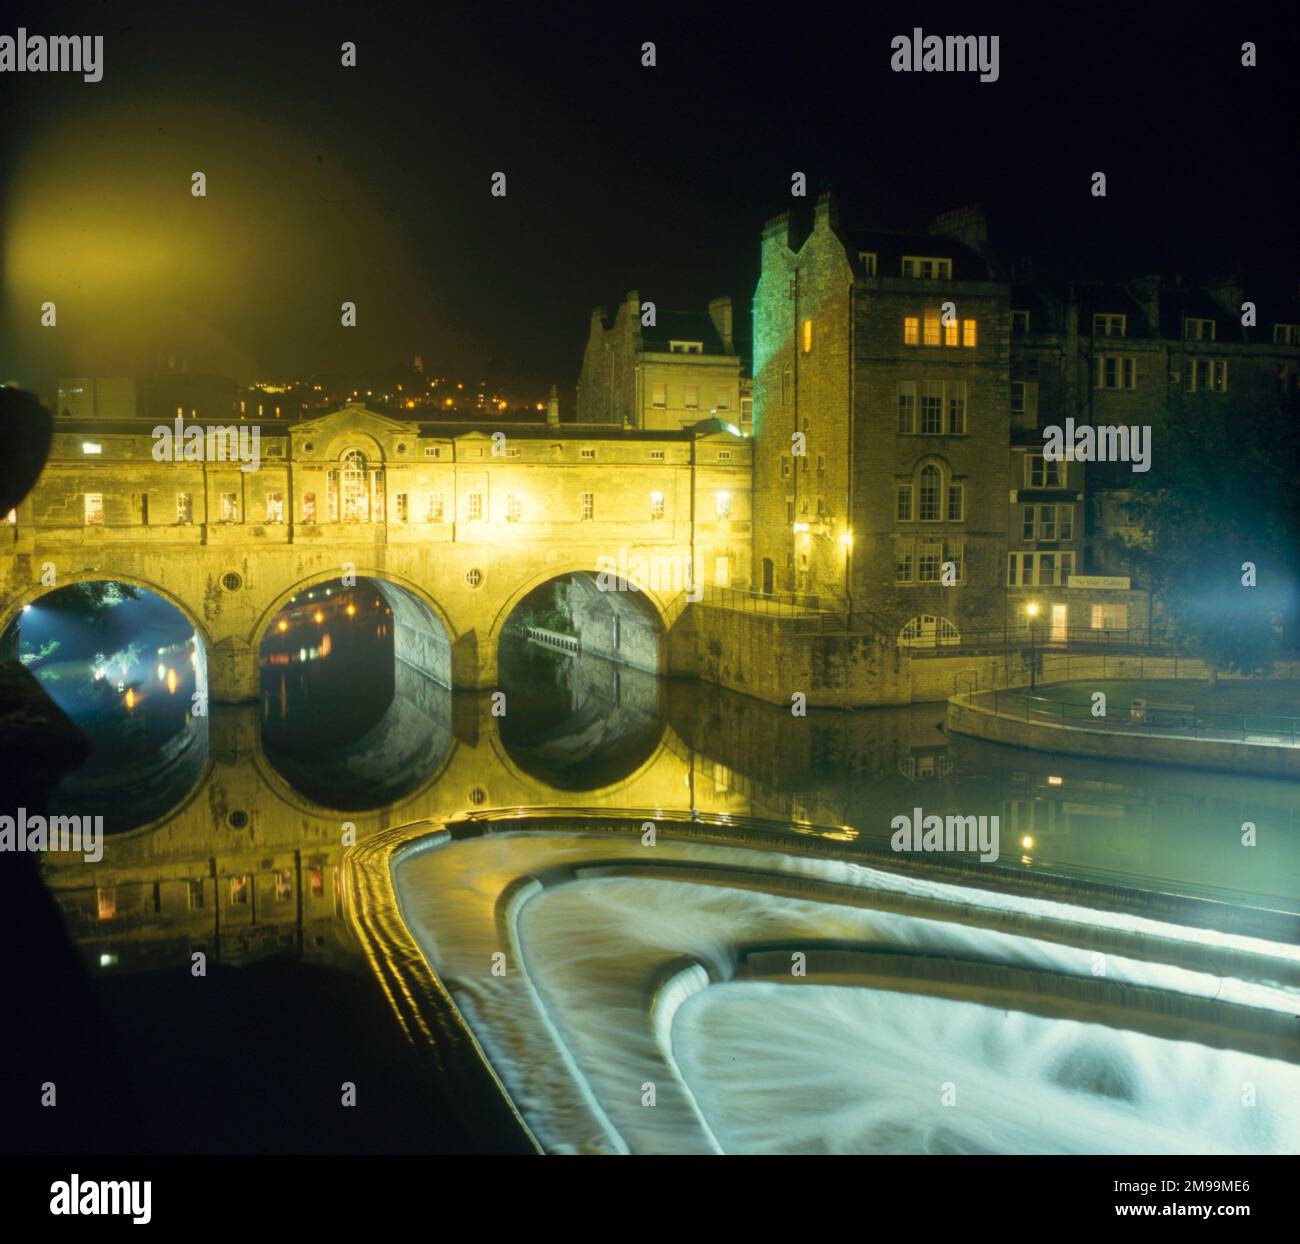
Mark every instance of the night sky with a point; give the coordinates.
(372, 184)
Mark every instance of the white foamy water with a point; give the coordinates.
(750, 1066)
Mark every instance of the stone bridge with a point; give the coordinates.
(455, 524)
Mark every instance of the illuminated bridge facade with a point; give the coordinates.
(455, 524)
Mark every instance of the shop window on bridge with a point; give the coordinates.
(355, 488)
(275, 507)
(229, 507)
(928, 631)
(94, 509)
(184, 507)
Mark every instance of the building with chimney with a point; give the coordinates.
(882, 423)
(656, 369)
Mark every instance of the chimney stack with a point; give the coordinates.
(720, 314)
(827, 211)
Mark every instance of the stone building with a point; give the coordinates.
(1116, 354)
(882, 422)
(664, 375)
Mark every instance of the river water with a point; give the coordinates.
(234, 844)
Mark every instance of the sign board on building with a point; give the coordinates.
(1112, 582)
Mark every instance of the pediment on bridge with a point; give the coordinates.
(354, 425)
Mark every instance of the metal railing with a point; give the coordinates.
(1151, 717)
(1056, 667)
(1045, 637)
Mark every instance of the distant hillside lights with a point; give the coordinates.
(214, 443)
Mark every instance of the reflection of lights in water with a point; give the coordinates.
(302, 654)
(162, 671)
(282, 626)
(27, 608)
(171, 682)
(1027, 842)
(318, 616)
(107, 960)
(130, 699)
(325, 645)
(1053, 780)
(352, 611)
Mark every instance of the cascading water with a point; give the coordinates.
(652, 1001)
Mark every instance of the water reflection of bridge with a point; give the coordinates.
(248, 864)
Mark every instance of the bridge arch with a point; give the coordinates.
(13, 608)
(413, 589)
(561, 571)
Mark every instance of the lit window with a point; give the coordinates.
(1110, 617)
(514, 507)
(91, 447)
(722, 504)
(475, 507)
(356, 488)
(309, 507)
(968, 334)
(275, 507)
(931, 328)
(94, 509)
(588, 505)
(911, 330)
(807, 336)
(229, 507)
(656, 505)
(950, 333)
(184, 507)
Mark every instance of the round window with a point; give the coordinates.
(477, 796)
(237, 819)
(474, 577)
(231, 582)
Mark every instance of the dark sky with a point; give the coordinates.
(372, 184)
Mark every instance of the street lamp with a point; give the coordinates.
(1032, 610)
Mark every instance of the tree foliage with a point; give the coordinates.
(1217, 514)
